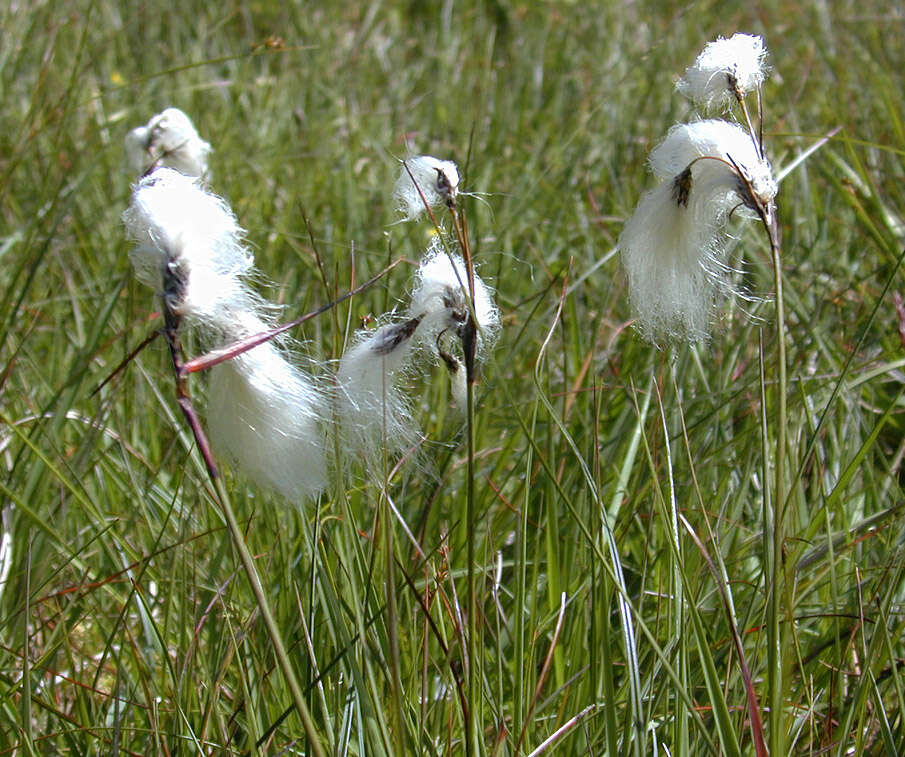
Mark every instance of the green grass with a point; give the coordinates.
(623, 548)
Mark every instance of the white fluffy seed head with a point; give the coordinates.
(673, 246)
(440, 298)
(374, 412)
(265, 416)
(665, 247)
(714, 145)
(437, 180)
(724, 67)
(264, 413)
(182, 229)
(168, 139)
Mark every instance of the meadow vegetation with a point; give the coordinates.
(629, 597)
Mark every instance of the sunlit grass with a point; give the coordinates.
(616, 486)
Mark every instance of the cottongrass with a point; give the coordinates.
(722, 154)
(674, 245)
(266, 416)
(665, 251)
(440, 297)
(725, 71)
(425, 180)
(189, 249)
(170, 140)
(375, 412)
(264, 413)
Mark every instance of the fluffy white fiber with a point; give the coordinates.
(721, 144)
(179, 226)
(168, 139)
(724, 67)
(437, 179)
(264, 413)
(373, 410)
(673, 246)
(665, 249)
(440, 297)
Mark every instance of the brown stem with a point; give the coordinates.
(221, 355)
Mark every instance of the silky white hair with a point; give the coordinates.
(440, 297)
(264, 412)
(665, 251)
(437, 180)
(182, 228)
(375, 414)
(374, 410)
(169, 139)
(723, 67)
(266, 416)
(674, 245)
(722, 153)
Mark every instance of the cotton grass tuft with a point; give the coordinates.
(437, 180)
(674, 245)
(440, 297)
(264, 412)
(722, 153)
(169, 139)
(183, 229)
(374, 412)
(725, 71)
(265, 415)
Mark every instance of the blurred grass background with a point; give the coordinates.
(126, 625)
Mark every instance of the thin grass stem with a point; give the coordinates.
(777, 573)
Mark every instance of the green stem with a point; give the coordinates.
(392, 618)
(172, 332)
(777, 568)
(264, 606)
(472, 740)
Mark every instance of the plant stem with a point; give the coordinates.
(777, 564)
(171, 331)
(469, 347)
(392, 618)
(269, 622)
(472, 741)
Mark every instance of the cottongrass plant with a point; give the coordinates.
(728, 70)
(450, 317)
(189, 248)
(264, 412)
(169, 139)
(425, 183)
(674, 251)
(441, 296)
(674, 247)
(450, 308)
(374, 410)
(725, 71)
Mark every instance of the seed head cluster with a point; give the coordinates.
(674, 246)
(270, 412)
